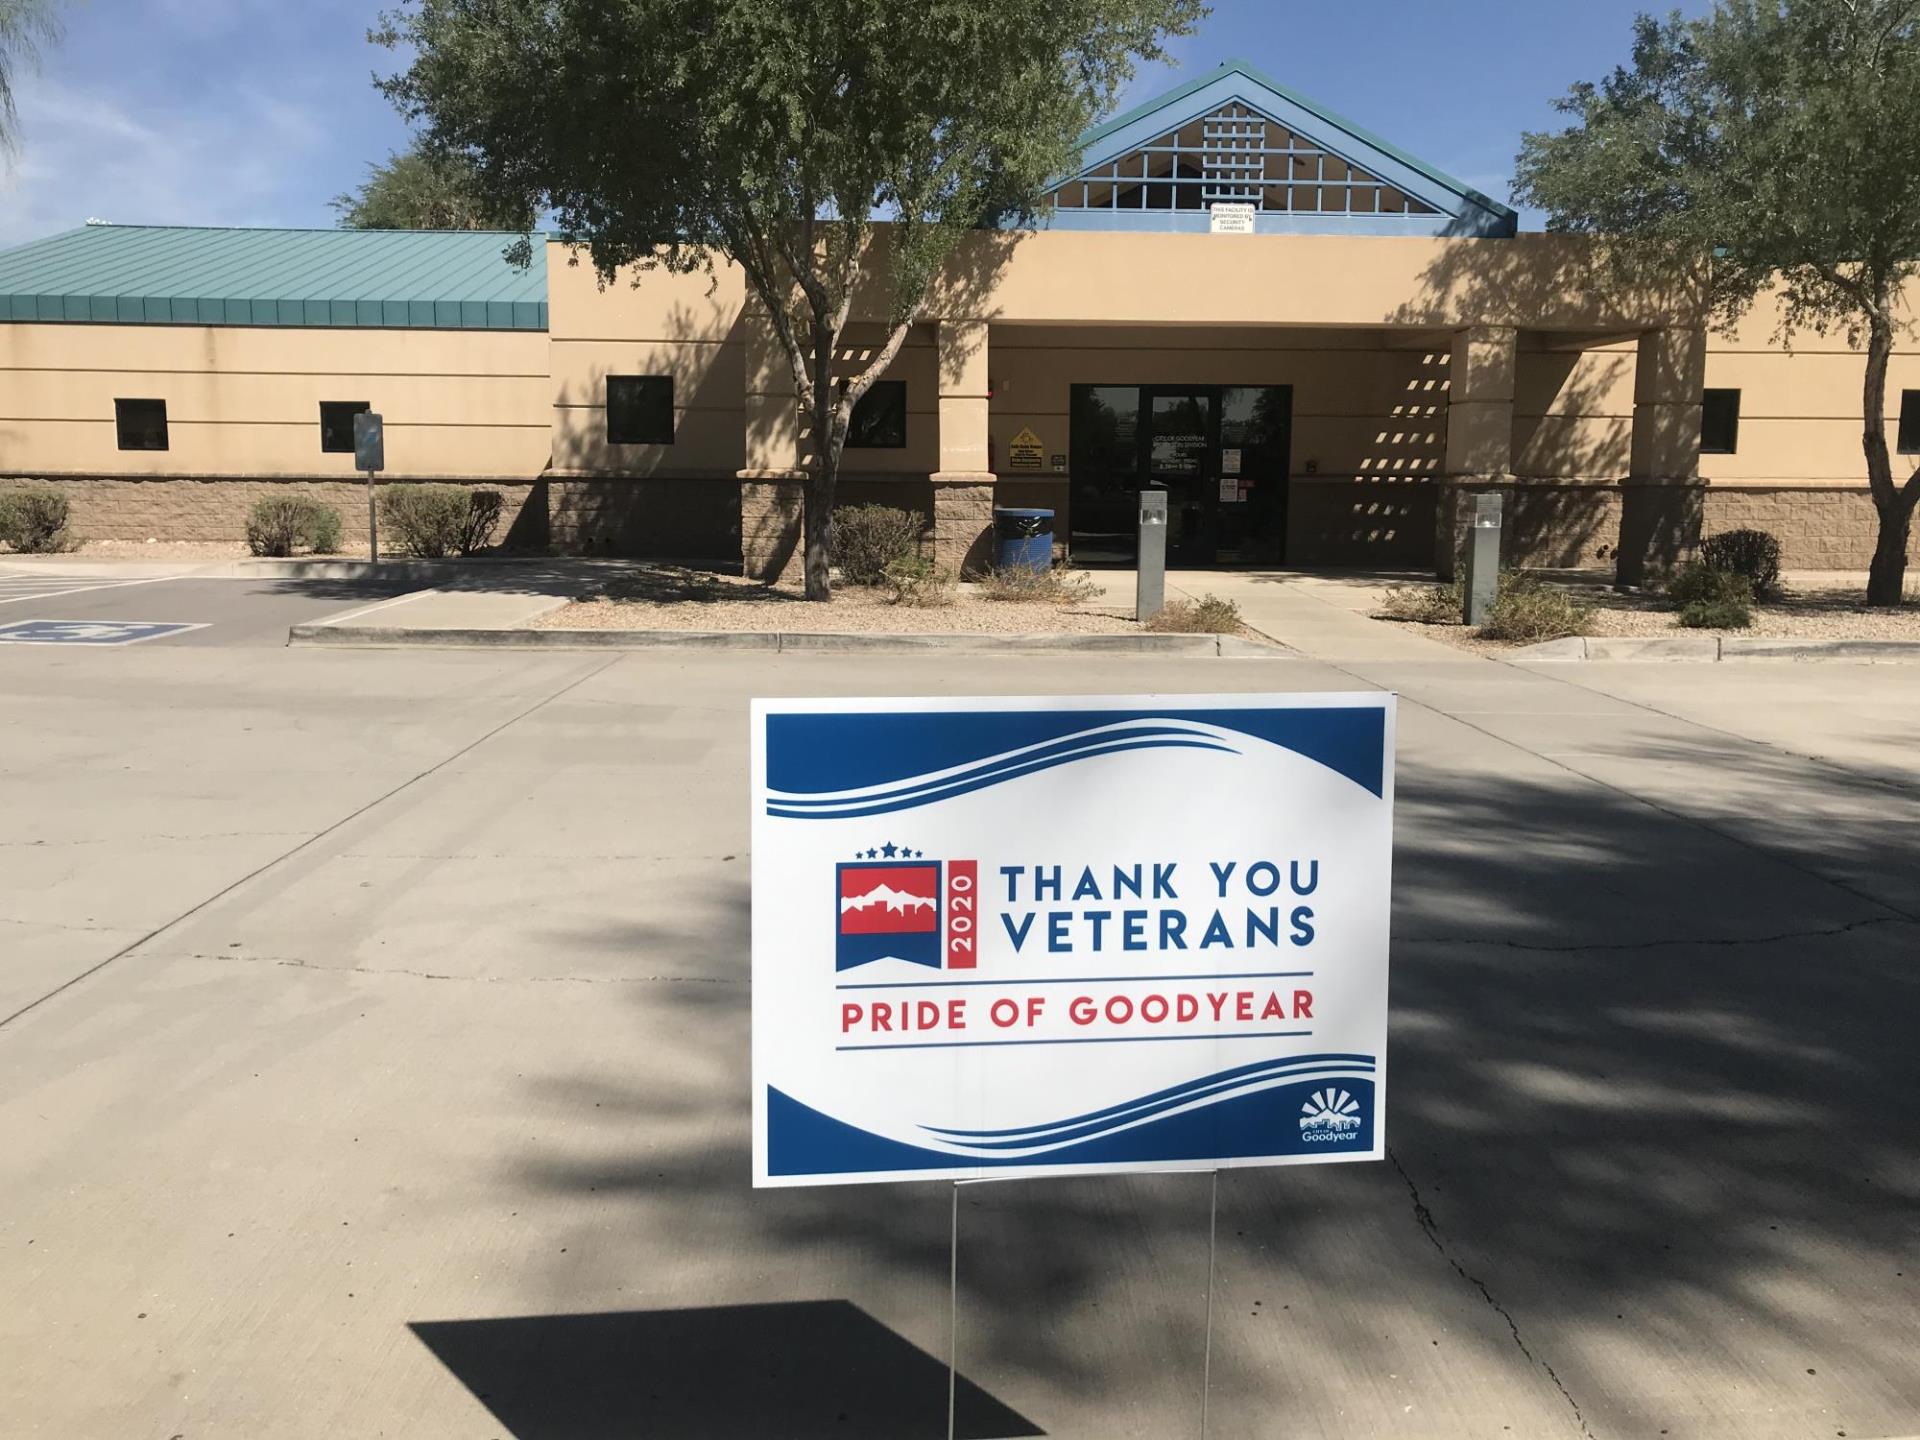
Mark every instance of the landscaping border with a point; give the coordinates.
(370, 637)
(1712, 649)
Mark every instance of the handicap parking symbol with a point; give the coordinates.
(87, 632)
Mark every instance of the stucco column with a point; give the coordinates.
(772, 484)
(963, 485)
(1662, 499)
(1479, 434)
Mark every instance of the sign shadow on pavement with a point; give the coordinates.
(807, 1370)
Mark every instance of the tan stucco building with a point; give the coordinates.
(1316, 343)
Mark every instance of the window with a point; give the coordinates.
(639, 409)
(336, 424)
(142, 424)
(1720, 422)
(879, 420)
(1910, 422)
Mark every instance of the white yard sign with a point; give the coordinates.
(1068, 935)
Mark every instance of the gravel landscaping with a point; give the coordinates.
(670, 597)
(1813, 605)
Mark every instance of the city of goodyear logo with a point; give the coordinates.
(1330, 1115)
(891, 903)
(1068, 935)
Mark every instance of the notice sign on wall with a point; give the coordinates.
(1231, 218)
(1025, 451)
(1068, 935)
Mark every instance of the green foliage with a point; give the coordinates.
(1725, 614)
(1752, 553)
(913, 580)
(667, 132)
(1764, 147)
(25, 26)
(424, 189)
(1057, 585)
(1527, 610)
(282, 524)
(1698, 583)
(1209, 615)
(1425, 604)
(867, 539)
(34, 521)
(433, 521)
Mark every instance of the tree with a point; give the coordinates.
(425, 189)
(25, 25)
(1766, 148)
(774, 134)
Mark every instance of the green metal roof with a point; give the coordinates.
(165, 275)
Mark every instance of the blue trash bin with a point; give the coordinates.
(1023, 539)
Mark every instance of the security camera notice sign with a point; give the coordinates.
(1004, 937)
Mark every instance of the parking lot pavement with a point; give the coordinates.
(378, 1064)
(114, 612)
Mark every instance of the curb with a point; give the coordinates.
(775, 642)
(1713, 649)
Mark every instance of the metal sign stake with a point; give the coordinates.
(1213, 1237)
(953, 1313)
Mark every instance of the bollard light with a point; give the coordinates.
(1483, 558)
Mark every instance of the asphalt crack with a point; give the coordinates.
(1431, 1229)
(1617, 946)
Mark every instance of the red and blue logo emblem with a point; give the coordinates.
(891, 903)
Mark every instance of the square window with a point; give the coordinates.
(880, 418)
(639, 409)
(1910, 422)
(336, 424)
(1719, 422)
(142, 424)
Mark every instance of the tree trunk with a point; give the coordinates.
(819, 522)
(1886, 581)
(1887, 578)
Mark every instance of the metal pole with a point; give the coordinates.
(953, 1312)
(1483, 558)
(373, 524)
(1206, 1363)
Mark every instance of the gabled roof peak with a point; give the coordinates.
(1425, 198)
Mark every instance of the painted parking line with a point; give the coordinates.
(89, 632)
(49, 589)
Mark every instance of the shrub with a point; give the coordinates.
(1526, 610)
(280, 524)
(1425, 604)
(1722, 614)
(433, 521)
(1698, 583)
(912, 580)
(1209, 615)
(1752, 554)
(34, 521)
(1057, 586)
(865, 539)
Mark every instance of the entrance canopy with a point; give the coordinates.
(1239, 138)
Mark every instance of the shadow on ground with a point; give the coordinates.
(806, 1370)
(1654, 1095)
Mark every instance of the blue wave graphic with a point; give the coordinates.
(994, 770)
(852, 754)
(1130, 1112)
(1256, 1124)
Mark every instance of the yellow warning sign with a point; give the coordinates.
(1026, 452)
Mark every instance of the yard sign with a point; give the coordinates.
(1001, 937)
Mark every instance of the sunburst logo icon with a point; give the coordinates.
(1331, 1111)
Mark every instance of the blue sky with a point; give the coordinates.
(256, 112)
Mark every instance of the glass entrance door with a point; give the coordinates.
(1219, 451)
(1182, 443)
